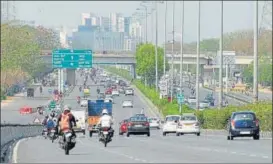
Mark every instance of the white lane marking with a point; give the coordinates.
(16, 149)
(117, 153)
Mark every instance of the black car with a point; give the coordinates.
(138, 126)
(243, 124)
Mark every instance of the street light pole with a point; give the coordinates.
(255, 42)
(172, 54)
(181, 55)
(221, 56)
(197, 57)
(146, 36)
(156, 54)
(165, 39)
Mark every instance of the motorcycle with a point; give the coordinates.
(67, 142)
(45, 133)
(105, 136)
(52, 135)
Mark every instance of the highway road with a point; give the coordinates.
(143, 149)
(10, 112)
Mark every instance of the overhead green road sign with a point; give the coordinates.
(180, 98)
(69, 58)
(52, 105)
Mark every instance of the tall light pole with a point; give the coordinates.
(181, 51)
(221, 56)
(165, 39)
(156, 55)
(172, 54)
(198, 56)
(255, 46)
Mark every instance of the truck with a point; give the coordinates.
(94, 113)
(81, 120)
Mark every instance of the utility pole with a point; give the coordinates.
(255, 42)
(172, 76)
(197, 57)
(165, 42)
(156, 55)
(181, 52)
(221, 56)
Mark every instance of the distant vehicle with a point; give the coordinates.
(84, 103)
(188, 124)
(127, 103)
(243, 124)
(129, 91)
(123, 127)
(138, 126)
(139, 115)
(170, 124)
(204, 105)
(108, 91)
(115, 93)
(192, 99)
(101, 95)
(154, 122)
(121, 91)
(108, 98)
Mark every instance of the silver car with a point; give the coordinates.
(127, 103)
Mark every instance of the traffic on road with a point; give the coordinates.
(135, 133)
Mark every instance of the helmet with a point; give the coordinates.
(104, 111)
(67, 108)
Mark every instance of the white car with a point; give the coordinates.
(191, 99)
(154, 123)
(129, 91)
(127, 103)
(109, 98)
(84, 103)
(188, 124)
(170, 124)
(115, 93)
(204, 105)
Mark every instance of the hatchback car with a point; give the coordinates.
(123, 127)
(170, 124)
(127, 103)
(129, 91)
(115, 93)
(188, 124)
(243, 124)
(154, 123)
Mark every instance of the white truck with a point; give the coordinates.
(80, 116)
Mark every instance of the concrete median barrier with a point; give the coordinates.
(11, 133)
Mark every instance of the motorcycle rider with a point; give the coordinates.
(78, 99)
(66, 120)
(106, 121)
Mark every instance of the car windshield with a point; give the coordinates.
(135, 119)
(172, 118)
(192, 98)
(188, 118)
(243, 116)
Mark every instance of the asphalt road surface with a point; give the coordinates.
(143, 149)
(10, 112)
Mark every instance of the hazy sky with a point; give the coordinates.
(237, 15)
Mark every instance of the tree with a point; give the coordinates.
(20, 52)
(145, 58)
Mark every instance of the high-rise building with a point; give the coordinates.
(135, 30)
(120, 24)
(127, 23)
(113, 22)
(85, 16)
(105, 23)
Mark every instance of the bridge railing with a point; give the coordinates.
(10, 133)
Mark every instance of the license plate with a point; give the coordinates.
(105, 132)
(138, 125)
(68, 135)
(247, 132)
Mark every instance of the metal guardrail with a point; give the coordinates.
(10, 133)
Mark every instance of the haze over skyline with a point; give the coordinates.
(238, 15)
